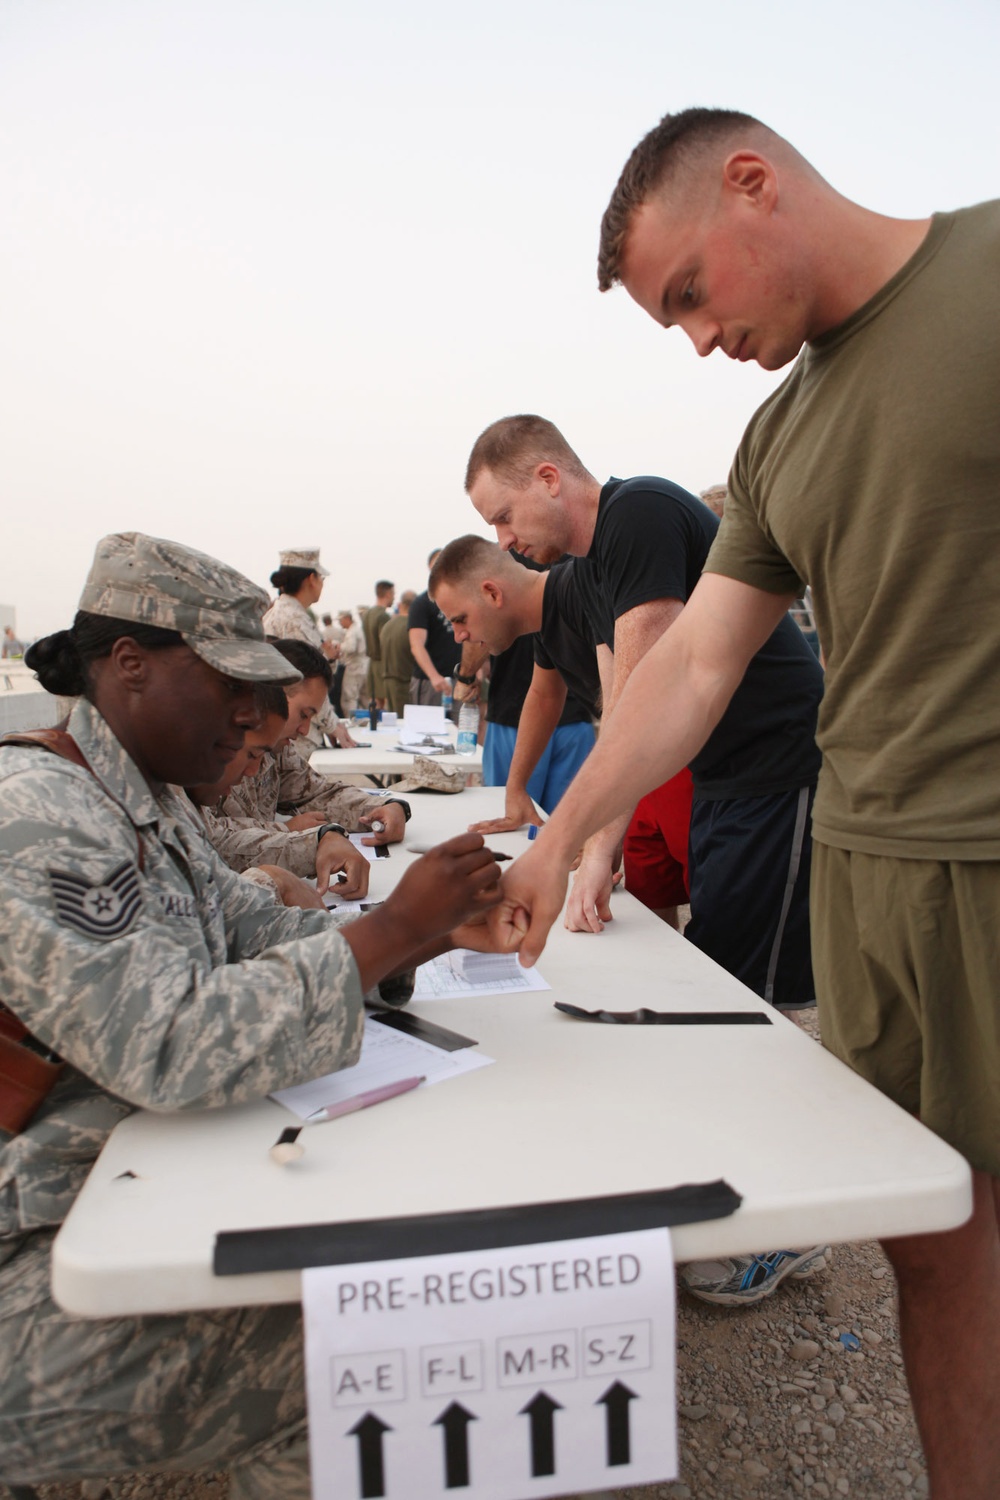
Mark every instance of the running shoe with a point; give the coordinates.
(744, 1279)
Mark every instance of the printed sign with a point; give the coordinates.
(502, 1374)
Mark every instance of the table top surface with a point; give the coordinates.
(570, 1110)
(380, 757)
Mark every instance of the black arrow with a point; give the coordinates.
(455, 1421)
(616, 1399)
(369, 1435)
(543, 1448)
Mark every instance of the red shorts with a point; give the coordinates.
(656, 845)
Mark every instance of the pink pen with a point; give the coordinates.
(362, 1101)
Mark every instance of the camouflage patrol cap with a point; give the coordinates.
(217, 611)
(303, 557)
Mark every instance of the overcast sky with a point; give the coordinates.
(269, 266)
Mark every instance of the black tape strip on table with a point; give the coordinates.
(291, 1248)
(424, 1030)
(646, 1017)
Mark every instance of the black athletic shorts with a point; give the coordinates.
(749, 877)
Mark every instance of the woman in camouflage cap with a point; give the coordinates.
(125, 959)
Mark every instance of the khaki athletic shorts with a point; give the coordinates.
(906, 954)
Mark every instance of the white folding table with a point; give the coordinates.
(570, 1110)
(380, 760)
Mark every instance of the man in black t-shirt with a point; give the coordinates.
(647, 540)
(543, 697)
(755, 777)
(436, 653)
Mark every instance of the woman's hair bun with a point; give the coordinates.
(56, 663)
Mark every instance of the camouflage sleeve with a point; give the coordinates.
(262, 880)
(304, 790)
(158, 1002)
(242, 842)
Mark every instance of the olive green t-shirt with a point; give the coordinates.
(873, 474)
(397, 659)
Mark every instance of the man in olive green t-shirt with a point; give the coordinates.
(872, 474)
(373, 624)
(397, 658)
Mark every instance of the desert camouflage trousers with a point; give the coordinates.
(209, 1391)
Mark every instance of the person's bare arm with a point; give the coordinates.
(690, 674)
(635, 633)
(540, 713)
(418, 650)
(473, 657)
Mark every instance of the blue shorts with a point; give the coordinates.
(749, 861)
(561, 759)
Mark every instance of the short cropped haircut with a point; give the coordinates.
(305, 659)
(673, 145)
(469, 557)
(513, 447)
(270, 700)
(382, 587)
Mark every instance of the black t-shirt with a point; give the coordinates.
(572, 610)
(442, 648)
(510, 678)
(650, 542)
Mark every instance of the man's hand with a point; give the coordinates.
(393, 818)
(439, 683)
(305, 820)
(500, 930)
(519, 809)
(292, 890)
(466, 692)
(589, 905)
(532, 894)
(335, 853)
(342, 735)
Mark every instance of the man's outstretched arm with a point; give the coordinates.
(671, 703)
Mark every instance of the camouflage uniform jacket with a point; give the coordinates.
(122, 950)
(244, 830)
(291, 621)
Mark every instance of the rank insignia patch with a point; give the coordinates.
(99, 911)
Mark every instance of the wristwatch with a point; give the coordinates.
(399, 803)
(326, 828)
(465, 681)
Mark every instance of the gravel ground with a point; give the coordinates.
(771, 1403)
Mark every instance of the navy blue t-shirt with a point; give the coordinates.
(510, 679)
(573, 610)
(650, 542)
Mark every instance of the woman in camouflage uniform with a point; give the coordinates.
(124, 948)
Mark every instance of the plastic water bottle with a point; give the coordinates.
(468, 729)
(446, 699)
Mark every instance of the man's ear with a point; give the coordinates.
(751, 177)
(492, 593)
(550, 476)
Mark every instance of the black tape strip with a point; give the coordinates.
(646, 1017)
(243, 1251)
(423, 1030)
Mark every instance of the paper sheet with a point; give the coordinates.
(423, 718)
(448, 978)
(386, 1057)
(542, 1369)
(368, 850)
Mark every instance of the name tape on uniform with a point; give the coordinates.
(534, 1370)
